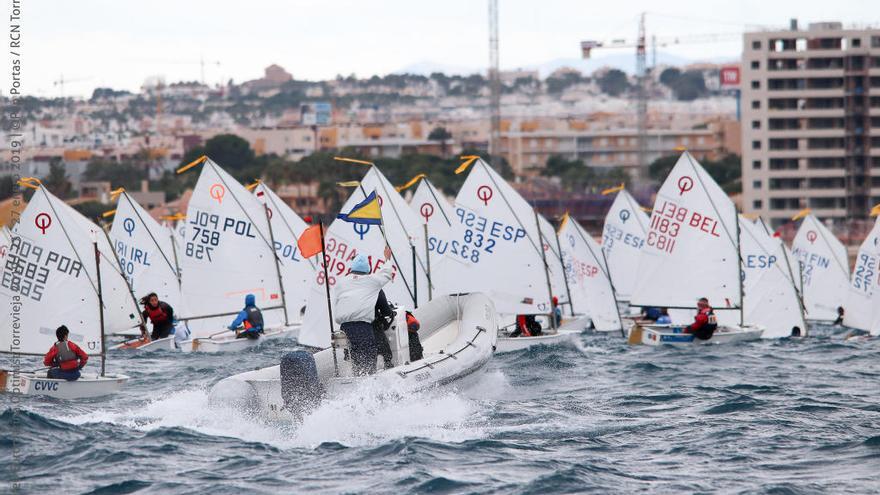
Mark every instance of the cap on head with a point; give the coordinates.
(61, 333)
(250, 300)
(360, 264)
(555, 301)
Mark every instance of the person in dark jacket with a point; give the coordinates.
(160, 314)
(250, 317)
(65, 358)
(705, 323)
(416, 351)
(381, 323)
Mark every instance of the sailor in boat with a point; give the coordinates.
(160, 313)
(557, 312)
(65, 358)
(664, 318)
(705, 323)
(840, 313)
(415, 345)
(355, 303)
(795, 331)
(384, 316)
(249, 322)
(526, 326)
(650, 314)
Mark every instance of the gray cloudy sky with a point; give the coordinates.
(120, 43)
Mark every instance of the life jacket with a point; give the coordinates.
(254, 318)
(66, 358)
(157, 314)
(412, 324)
(712, 321)
(522, 325)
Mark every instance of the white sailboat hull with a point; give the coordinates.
(657, 335)
(458, 334)
(89, 385)
(228, 343)
(511, 344)
(142, 345)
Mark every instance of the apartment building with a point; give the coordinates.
(527, 145)
(811, 121)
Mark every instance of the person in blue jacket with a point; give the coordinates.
(252, 319)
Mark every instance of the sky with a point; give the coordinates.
(121, 43)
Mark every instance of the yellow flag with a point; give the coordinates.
(801, 214)
(875, 211)
(468, 161)
(562, 222)
(108, 213)
(410, 183)
(352, 160)
(192, 164)
(612, 190)
(350, 183)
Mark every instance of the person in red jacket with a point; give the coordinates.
(65, 358)
(160, 313)
(416, 351)
(704, 324)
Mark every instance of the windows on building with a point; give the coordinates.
(756, 164)
(756, 104)
(756, 145)
(757, 204)
(756, 45)
(756, 124)
(756, 84)
(756, 64)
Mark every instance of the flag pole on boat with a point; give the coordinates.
(739, 267)
(564, 278)
(327, 292)
(277, 262)
(100, 300)
(546, 268)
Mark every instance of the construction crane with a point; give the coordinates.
(61, 82)
(640, 44)
(494, 82)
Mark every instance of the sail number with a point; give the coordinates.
(206, 231)
(865, 274)
(28, 267)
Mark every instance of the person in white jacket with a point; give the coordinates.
(355, 305)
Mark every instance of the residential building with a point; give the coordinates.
(811, 122)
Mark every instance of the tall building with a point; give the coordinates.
(811, 121)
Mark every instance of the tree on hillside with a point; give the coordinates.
(57, 182)
(231, 152)
(687, 86)
(125, 174)
(614, 82)
(442, 135)
(669, 76)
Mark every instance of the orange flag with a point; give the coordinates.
(309, 242)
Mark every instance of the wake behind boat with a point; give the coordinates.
(457, 335)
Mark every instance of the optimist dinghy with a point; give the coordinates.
(230, 251)
(863, 299)
(824, 267)
(510, 253)
(691, 251)
(623, 238)
(457, 333)
(60, 270)
(147, 257)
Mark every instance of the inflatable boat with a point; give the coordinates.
(458, 334)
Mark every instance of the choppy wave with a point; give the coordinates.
(788, 416)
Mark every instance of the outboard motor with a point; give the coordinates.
(300, 388)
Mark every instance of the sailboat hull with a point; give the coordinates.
(142, 345)
(228, 342)
(657, 335)
(511, 344)
(88, 386)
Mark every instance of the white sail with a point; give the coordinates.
(500, 239)
(50, 278)
(863, 299)
(146, 252)
(691, 247)
(344, 240)
(227, 254)
(296, 272)
(770, 297)
(555, 263)
(824, 269)
(449, 273)
(588, 277)
(626, 227)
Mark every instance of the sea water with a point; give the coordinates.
(594, 415)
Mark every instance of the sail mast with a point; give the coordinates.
(546, 268)
(100, 301)
(277, 262)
